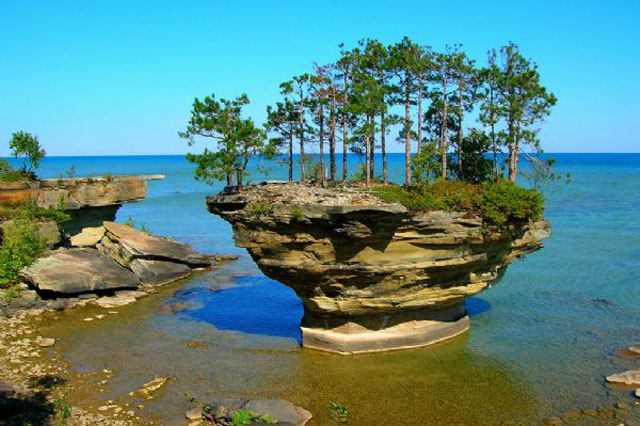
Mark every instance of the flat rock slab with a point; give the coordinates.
(159, 272)
(77, 271)
(89, 237)
(114, 301)
(284, 412)
(628, 378)
(151, 247)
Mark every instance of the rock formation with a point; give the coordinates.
(89, 201)
(371, 275)
(119, 258)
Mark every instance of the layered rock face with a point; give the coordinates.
(113, 257)
(89, 201)
(77, 193)
(371, 275)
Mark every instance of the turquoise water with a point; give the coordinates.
(540, 343)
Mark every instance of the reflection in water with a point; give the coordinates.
(251, 304)
(476, 305)
(440, 385)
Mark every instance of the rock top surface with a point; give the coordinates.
(76, 271)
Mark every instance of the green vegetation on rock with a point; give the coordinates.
(496, 202)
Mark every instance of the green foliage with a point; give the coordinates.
(108, 177)
(8, 174)
(258, 209)
(504, 201)
(21, 245)
(541, 174)
(425, 167)
(338, 414)
(237, 139)
(130, 222)
(296, 213)
(24, 144)
(476, 166)
(496, 202)
(9, 210)
(62, 406)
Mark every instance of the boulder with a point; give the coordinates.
(135, 244)
(159, 272)
(78, 270)
(89, 237)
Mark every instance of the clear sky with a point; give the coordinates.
(116, 77)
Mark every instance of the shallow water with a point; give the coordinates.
(541, 341)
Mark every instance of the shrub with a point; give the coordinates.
(504, 201)
(296, 213)
(21, 245)
(496, 202)
(258, 208)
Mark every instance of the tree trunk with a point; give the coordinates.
(443, 143)
(460, 125)
(332, 138)
(302, 171)
(407, 130)
(344, 133)
(419, 116)
(367, 171)
(493, 133)
(512, 149)
(322, 175)
(373, 146)
(383, 148)
(239, 176)
(290, 152)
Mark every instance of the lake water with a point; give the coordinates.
(541, 341)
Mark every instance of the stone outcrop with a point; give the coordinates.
(371, 275)
(114, 257)
(76, 271)
(77, 193)
(89, 201)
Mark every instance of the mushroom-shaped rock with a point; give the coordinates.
(371, 275)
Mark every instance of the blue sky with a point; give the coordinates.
(118, 77)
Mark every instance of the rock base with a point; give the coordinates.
(410, 334)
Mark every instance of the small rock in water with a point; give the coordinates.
(46, 342)
(196, 344)
(637, 393)
(88, 319)
(148, 388)
(114, 301)
(99, 316)
(194, 414)
(629, 378)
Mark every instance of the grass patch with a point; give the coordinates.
(496, 202)
(259, 209)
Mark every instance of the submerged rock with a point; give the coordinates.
(628, 378)
(282, 412)
(159, 272)
(77, 271)
(371, 275)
